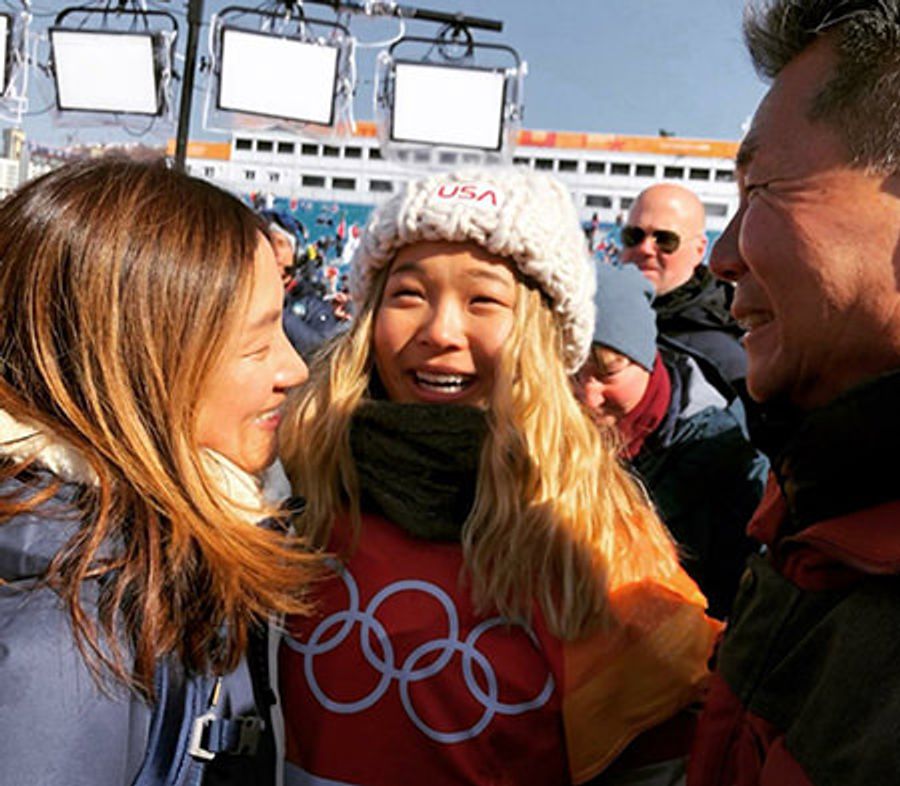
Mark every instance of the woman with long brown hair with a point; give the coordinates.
(507, 608)
(143, 369)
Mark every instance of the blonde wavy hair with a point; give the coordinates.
(119, 283)
(557, 520)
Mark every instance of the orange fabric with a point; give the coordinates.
(620, 682)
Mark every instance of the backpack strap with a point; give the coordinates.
(213, 734)
(192, 725)
(179, 700)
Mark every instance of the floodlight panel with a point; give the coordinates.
(4, 51)
(105, 71)
(448, 105)
(270, 75)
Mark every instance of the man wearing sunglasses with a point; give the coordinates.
(807, 683)
(665, 238)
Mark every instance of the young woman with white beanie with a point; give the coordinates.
(506, 606)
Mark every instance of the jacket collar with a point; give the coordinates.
(866, 540)
(22, 441)
(691, 394)
(831, 461)
(701, 302)
(832, 487)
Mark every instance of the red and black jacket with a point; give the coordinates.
(807, 689)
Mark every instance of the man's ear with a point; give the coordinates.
(702, 243)
(892, 185)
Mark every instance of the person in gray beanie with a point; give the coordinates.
(482, 524)
(622, 306)
(677, 431)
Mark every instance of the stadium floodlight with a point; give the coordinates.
(277, 68)
(15, 41)
(448, 105)
(5, 36)
(121, 71)
(446, 99)
(249, 61)
(105, 72)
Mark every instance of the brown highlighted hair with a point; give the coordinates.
(119, 284)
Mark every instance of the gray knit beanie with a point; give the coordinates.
(624, 320)
(526, 217)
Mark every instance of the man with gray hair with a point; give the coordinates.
(807, 688)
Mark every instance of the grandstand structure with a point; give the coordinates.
(605, 172)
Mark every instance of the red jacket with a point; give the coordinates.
(399, 680)
(807, 689)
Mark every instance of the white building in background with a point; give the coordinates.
(13, 159)
(605, 172)
(9, 175)
(18, 162)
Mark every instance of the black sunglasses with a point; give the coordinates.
(666, 240)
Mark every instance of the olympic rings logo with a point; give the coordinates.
(410, 672)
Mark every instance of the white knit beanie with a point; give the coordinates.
(526, 217)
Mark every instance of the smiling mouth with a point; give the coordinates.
(755, 320)
(270, 419)
(446, 384)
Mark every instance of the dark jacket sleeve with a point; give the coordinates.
(706, 484)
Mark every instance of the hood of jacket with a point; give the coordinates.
(691, 395)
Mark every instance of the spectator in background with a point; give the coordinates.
(665, 238)
(612, 250)
(287, 236)
(592, 232)
(681, 439)
(310, 317)
(807, 689)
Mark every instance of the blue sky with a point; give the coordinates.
(617, 66)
